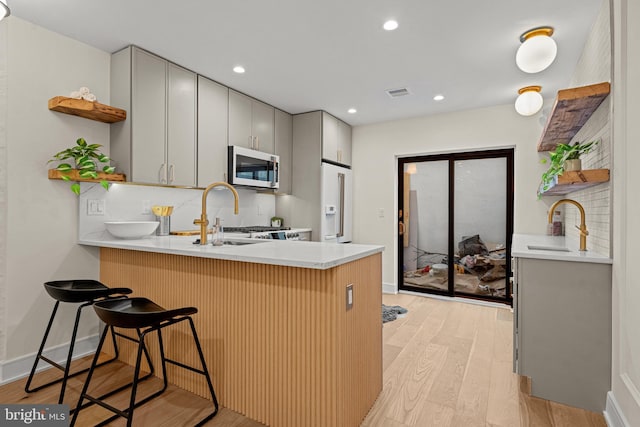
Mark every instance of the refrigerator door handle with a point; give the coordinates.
(341, 183)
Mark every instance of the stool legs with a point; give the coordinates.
(128, 413)
(67, 367)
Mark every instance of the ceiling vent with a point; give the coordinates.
(396, 93)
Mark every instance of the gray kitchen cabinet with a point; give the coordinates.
(251, 123)
(336, 140)
(562, 330)
(157, 142)
(213, 101)
(283, 130)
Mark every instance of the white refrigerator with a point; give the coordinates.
(336, 204)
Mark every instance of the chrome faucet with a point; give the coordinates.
(583, 226)
(203, 222)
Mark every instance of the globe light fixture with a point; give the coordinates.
(4, 9)
(529, 101)
(537, 51)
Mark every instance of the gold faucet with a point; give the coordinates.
(203, 222)
(583, 226)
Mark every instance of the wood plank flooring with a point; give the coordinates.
(446, 364)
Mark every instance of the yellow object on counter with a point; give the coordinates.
(162, 210)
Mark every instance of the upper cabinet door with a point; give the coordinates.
(344, 143)
(181, 126)
(240, 120)
(149, 117)
(329, 137)
(250, 123)
(262, 120)
(213, 101)
(283, 131)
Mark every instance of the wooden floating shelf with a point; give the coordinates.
(571, 181)
(570, 112)
(87, 109)
(75, 176)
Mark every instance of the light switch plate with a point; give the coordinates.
(96, 207)
(349, 296)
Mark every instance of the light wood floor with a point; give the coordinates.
(445, 364)
(448, 363)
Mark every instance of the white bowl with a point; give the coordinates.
(131, 229)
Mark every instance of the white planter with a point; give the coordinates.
(573, 165)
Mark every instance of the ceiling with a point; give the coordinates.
(303, 55)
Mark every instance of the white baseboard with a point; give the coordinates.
(12, 370)
(612, 413)
(389, 288)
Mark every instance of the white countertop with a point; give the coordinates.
(521, 242)
(291, 253)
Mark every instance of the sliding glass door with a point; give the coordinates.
(455, 224)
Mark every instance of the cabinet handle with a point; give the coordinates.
(251, 142)
(172, 175)
(257, 146)
(162, 174)
(339, 155)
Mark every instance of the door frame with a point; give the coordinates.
(452, 157)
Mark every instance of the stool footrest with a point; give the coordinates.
(182, 365)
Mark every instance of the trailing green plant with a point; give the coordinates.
(86, 158)
(557, 158)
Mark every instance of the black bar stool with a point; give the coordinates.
(139, 313)
(73, 291)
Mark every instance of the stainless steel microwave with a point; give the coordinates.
(253, 168)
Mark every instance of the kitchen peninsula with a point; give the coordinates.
(281, 342)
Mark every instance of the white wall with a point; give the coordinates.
(39, 216)
(624, 399)
(593, 67)
(376, 147)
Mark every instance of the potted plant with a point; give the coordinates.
(276, 221)
(565, 157)
(86, 158)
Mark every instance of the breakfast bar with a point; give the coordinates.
(282, 343)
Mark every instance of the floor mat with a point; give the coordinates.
(392, 312)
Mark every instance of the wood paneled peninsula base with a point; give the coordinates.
(279, 341)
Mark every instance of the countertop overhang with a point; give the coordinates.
(292, 253)
(521, 242)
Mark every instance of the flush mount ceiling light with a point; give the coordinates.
(537, 51)
(529, 101)
(238, 69)
(390, 25)
(4, 9)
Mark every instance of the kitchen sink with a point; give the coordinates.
(241, 242)
(548, 248)
(234, 242)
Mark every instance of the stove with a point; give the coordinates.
(254, 229)
(275, 233)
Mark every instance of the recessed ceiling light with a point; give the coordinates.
(438, 97)
(352, 111)
(238, 69)
(390, 25)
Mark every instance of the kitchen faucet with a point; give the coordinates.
(203, 222)
(583, 226)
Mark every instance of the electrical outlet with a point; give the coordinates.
(95, 207)
(349, 296)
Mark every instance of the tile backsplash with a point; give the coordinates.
(129, 202)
